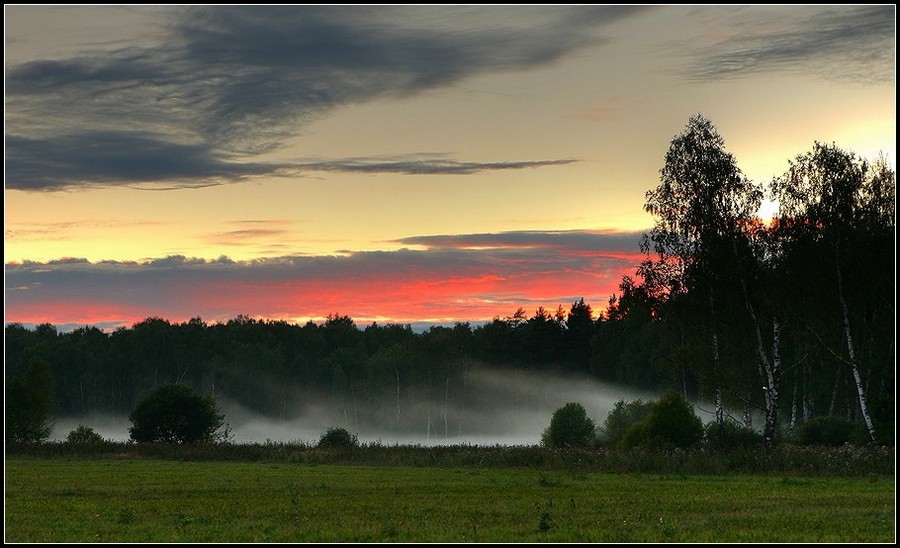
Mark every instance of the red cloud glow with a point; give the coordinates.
(446, 282)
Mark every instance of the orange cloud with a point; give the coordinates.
(445, 283)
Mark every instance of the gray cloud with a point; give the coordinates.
(228, 80)
(582, 241)
(854, 43)
(107, 158)
(422, 166)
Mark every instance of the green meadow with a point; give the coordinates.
(139, 499)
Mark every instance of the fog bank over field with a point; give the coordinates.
(505, 407)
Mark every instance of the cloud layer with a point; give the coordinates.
(228, 82)
(855, 43)
(452, 278)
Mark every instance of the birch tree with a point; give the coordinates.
(700, 205)
(837, 212)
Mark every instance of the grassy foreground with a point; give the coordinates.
(149, 500)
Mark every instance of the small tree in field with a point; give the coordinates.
(338, 437)
(84, 435)
(569, 427)
(174, 413)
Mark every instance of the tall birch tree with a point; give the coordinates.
(837, 211)
(701, 204)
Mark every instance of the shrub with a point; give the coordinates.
(174, 413)
(569, 427)
(825, 430)
(83, 435)
(621, 418)
(731, 436)
(671, 422)
(338, 437)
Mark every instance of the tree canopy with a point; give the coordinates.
(174, 413)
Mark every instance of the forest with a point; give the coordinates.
(774, 323)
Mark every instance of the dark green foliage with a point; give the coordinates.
(730, 435)
(826, 430)
(83, 435)
(174, 413)
(671, 422)
(569, 427)
(621, 418)
(338, 437)
(30, 404)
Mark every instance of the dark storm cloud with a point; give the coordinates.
(238, 79)
(291, 63)
(115, 158)
(846, 43)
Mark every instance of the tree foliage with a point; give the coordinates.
(338, 437)
(174, 413)
(83, 435)
(670, 422)
(730, 435)
(801, 306)
(825, 430)
(30, 404)
(570, 426)
(619, 420)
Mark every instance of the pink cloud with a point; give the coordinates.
(446, 282)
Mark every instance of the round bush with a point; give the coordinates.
(671, 422)
(174, 413)
(338, 437)
(731, 436)
(569, 427)
(83, 435)
(825, 430)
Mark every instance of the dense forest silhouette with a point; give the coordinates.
(786, 320)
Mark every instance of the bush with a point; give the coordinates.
(174, 413)
(569, 427)
(621, 418)
(671, 422)
(731, 436)
(84, 435)
(338, 437)
(825, 430)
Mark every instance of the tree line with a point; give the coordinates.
(787, 320)
(270, 366)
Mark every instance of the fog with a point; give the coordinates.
(496, 407)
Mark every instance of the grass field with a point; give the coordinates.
(150, 500)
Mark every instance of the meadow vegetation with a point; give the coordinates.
(373, 493)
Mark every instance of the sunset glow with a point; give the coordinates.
(426, 164)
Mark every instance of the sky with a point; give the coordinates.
(408, 164)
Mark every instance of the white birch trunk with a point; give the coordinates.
(773, 379)
(854, 367)
(720, 410)
(397, 371)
